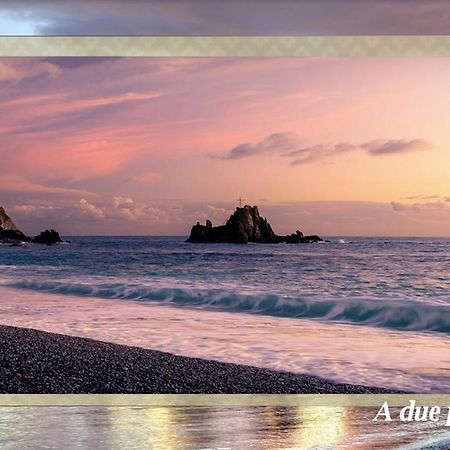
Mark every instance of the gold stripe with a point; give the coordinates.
(222, 400)
(225, 46)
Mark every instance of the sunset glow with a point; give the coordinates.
(337, 146)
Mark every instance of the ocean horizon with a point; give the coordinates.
(324, 236)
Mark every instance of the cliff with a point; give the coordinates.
(8, 229)
(10, 233)
(245, 225)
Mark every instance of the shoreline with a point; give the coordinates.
(38, 362)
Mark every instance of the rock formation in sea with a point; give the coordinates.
(48, 237)
(245, 225)
(8, 229)
(10, 233)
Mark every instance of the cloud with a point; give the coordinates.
(147, 177)
(63, 122)
(18, 69)
(319, 152)
(400, 207)
(101, 215)
(394, 146)
(429, 203)
(17, 183)
(217, 214)
(289, 145)
(76, 105)
(71, 62)
(91, 209)
(41, 211)
(216, 17)
(67, 108)
(422, 197)
(127, 216)
(418, 207)
(274, 143)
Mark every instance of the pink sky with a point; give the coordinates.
(336, 146)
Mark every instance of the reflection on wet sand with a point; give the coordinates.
(181, 428)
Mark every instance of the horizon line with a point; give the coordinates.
(326, 236)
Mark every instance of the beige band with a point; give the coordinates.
(225, 46)
(223, 400)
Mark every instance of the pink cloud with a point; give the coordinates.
(14, 70)
(147, 177)
(16, 183)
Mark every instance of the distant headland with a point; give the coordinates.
(10, 233)
(243, 226)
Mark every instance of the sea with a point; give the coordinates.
(372, 311)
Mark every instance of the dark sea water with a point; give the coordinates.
(402, 284)
(399, 286)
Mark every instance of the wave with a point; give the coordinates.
(386, 313)
(435, 443)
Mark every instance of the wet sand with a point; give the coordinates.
(189, 428)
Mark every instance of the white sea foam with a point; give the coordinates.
(394, 313)
(346, 353)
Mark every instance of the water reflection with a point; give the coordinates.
(181, 428)
(326, 427)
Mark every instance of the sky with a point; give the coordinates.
(148, 146)
(219, 17)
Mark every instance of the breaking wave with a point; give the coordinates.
(386, 313)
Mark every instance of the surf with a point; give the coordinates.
(394, 313)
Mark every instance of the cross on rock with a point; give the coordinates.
(240, 200)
